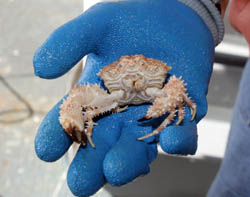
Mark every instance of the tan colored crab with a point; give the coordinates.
(130, 80)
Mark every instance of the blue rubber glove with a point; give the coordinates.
(165, 30)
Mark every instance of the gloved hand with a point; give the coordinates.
(165, 30)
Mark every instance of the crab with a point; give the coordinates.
(133, 80)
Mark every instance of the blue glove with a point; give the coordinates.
(165, 30)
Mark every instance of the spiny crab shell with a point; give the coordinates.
(133, 75)
(130, 80)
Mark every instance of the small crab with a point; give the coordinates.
(130, 80)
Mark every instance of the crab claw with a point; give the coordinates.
(78, 137)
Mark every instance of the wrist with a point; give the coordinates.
(211, 16)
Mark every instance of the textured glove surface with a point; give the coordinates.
(164, 30)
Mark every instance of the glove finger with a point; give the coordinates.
(70, 43)
(180, 139)
(128, 159)
(85, 175)
(51, 141)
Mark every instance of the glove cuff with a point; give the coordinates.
(211, 16)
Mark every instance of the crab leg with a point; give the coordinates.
(90, 113)
(89, 128)
(90, 140)
(181, 114)
(161, 127)
(192, 106)
(144, 118)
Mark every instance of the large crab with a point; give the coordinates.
(130, 80)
